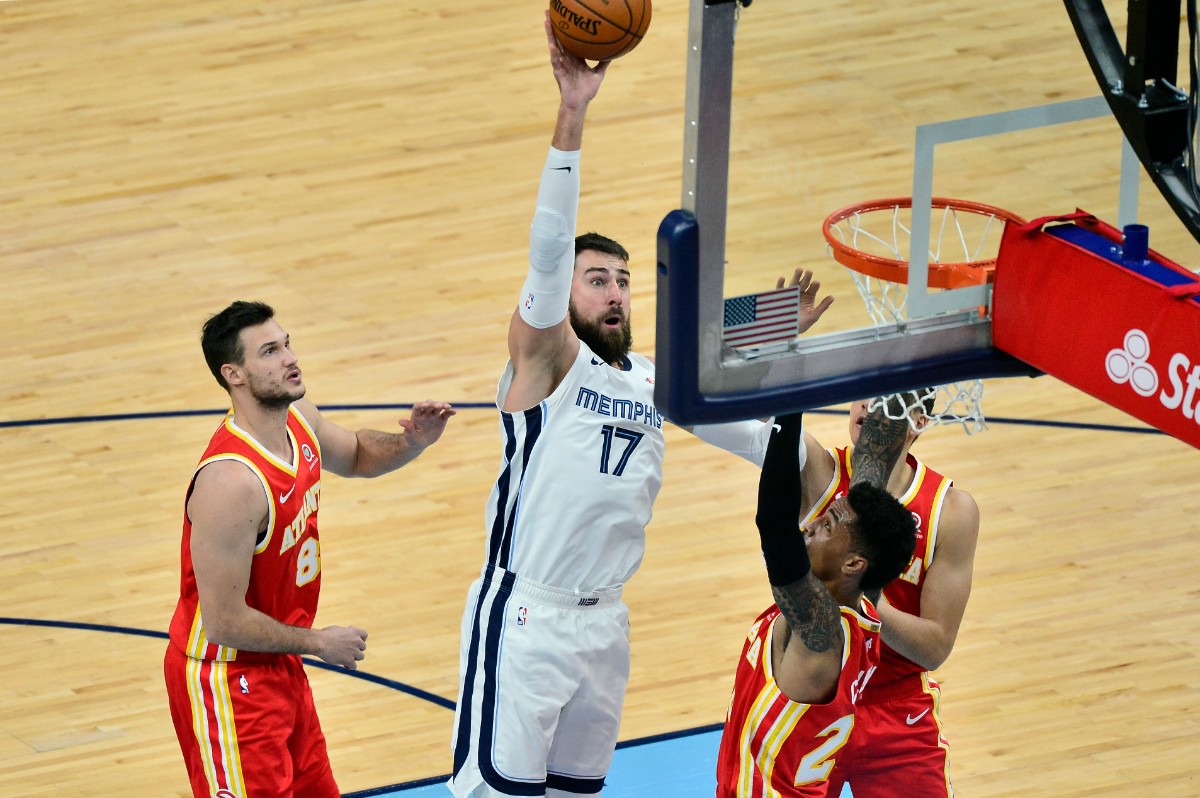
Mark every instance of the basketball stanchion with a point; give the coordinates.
(1096, 308)
(872, 240)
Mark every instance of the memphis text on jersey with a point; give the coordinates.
(626, 409)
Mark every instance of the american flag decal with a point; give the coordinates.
(757, 319)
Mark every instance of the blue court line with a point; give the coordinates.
(42, 422)
(392, 684)
(678, 764)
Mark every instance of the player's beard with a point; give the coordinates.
(610, 344)
(274, 396)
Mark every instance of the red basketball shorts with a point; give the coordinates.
(248, 730)
(897, 747)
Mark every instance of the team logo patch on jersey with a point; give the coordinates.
(308, 453)
(522, 614)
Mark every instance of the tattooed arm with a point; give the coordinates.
(807, 644)
(880, 442)
(807, 648)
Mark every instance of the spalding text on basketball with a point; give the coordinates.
(572, 17)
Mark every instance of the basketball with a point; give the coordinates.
(599, 30)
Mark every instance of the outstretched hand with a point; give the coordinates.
(810, 309)
(427, 422)
(578, 83)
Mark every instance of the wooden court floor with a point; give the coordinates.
(369, 168)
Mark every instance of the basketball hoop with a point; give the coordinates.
(852, 236)
(872, 240)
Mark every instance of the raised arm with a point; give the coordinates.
(880, 444)
(808, 661)
(371, 453)
(541, 343)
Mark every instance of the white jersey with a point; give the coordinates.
(578, 477)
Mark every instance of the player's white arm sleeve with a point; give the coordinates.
(547, 290)
(747, 439)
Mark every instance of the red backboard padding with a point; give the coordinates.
(1126, 332)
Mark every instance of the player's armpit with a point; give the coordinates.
(807, 657)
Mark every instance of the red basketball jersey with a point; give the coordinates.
(924, 498)
(285, 576)
(773, 746)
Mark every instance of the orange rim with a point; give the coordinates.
(941, 275)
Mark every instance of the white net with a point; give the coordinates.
(952, 403)
(962, 237)
(886, 302)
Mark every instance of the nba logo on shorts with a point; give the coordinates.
(521, 613)
(529, 302)
(245, 685)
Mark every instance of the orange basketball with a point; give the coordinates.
(599, 30)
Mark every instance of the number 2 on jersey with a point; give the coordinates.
(611, 435)
(817, 764)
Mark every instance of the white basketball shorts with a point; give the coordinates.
(542, 675)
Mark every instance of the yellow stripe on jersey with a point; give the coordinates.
(254, 469)
(226, 731)
(935, 516)
(195, 685)
(860, 617)
(820, 504)
(914, 487)
(754, 718)
(231, 757)
(845, 639)
(198, 642)
(290, 468)
(776, 736)
(304, 423)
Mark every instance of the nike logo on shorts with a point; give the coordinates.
(910, 720)
(567, 169)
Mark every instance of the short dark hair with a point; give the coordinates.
(884, 533)
(220, 337)
(600, 243)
